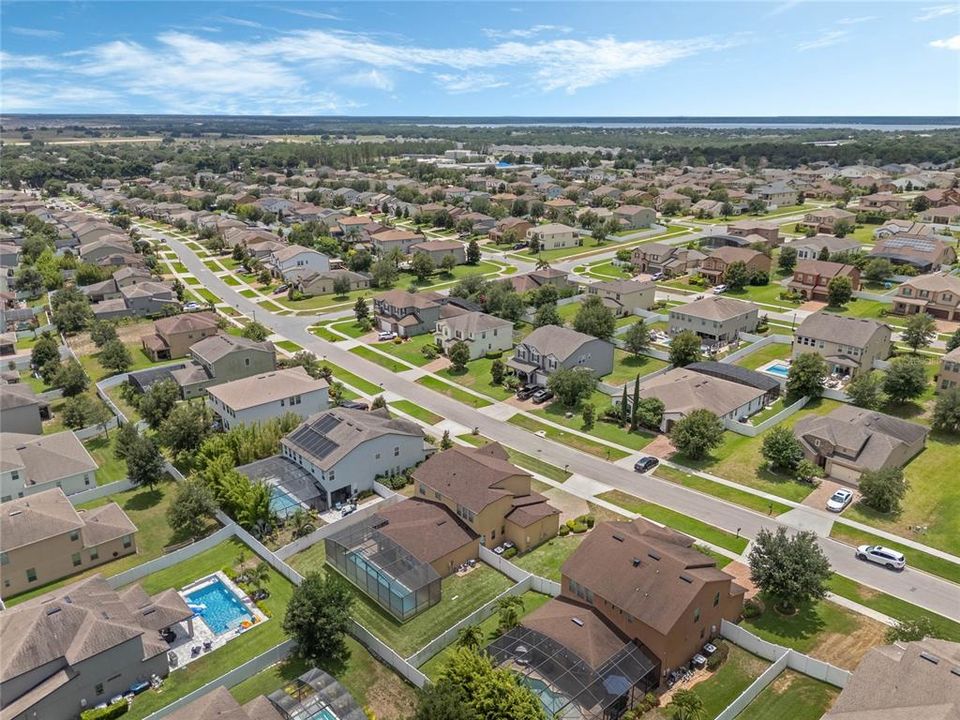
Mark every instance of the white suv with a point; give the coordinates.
(882, 556)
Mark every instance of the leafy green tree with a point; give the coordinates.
(737, 276)
(595, 318)
(685, 348)
(589, 416)
(145, 465)
(842, 228)
(258, 332)
(50, 370)
(637, 338)
(913, 629)
(459, 354)
(953, 342)
(102, 332)
(192, 509)
(509, 609)
(158, 402)
(384, 273)
(497, 372)
(883, 489)
(71, 378)
(115, 356)
(946, 411)
(488, 691)
(905, 379)
(782, 449)
(127, 435)
(839, 291)
(649, 412)
(185, 428)
(379, 402)
(72, 316)
(866, 390)
(571, 385)
(697, 434)
(28, 280)
(46, 348)
(920, 331)
(805, 377)
(547, 315)
(686, 704)
(806, 471)
(361, 311)
(447, 264)
(791, 570)
(341, 286)
(443, 701)
(470, 636)
(473, 252)
(318, 619)
(76, 411)
(787, 260)
(878, 269)
(422, 266)
(636, 402)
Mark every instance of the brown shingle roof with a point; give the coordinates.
(426, 530)
(579, 628)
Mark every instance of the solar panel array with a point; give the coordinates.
(311, 439)
(326, 423)
(916, 243)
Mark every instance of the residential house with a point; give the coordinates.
(346, 450)
(260, 398)
(949, 375)
(942, 197)
(322, 283)
(173, 336)
(849, 345)
(536, 279)
(408, 314)
(811, 278)
(388, 240)
(34, 463)
(512, 228)
(936, 294)
(653, 586)
(944, 215)
(625, 297)
(43, 539)
(714, 266)
(221, 358)
(707, 208)
(483, 333)
(550, 347)
(635, 217)
(850, 441)
(292, 262)
(824, 220)
(553, 236)
(219, 704)
(668, 197)
(776, 194)
(670, 260)
(896, 226)
(437, 250)
(766, 232)
(21, 411)
(717, 319)
(925, 253)
(81, 645)
(810, 248)
(885, 203)
(138, 300)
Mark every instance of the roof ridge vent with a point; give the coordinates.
(929, 657)
(577, 621)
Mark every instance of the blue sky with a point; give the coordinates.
(484, 58)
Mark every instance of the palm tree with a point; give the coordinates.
(509, 608)
(686, 705)
(542, 263)
(470, 637)
(259, 575)
(301, 522)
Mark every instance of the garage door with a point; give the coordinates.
(843, 473)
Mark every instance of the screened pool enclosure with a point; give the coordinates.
(400, 583)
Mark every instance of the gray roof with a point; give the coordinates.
(472, 322)
(715, 308)
(839, 329)
(683, 390)
(45, 458)
(259, 389)
(737, 374)
(624, 287)
(18, 395)
(560, 342)
(220, 345)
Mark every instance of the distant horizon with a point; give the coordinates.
(566, 118)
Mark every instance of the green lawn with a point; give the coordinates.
(864, 233)
(738, 458)
(179, 267)
(676, 520)
(318, 302)
(324, 333)
(248, 293)
(129, 412)
(915, 558)
(566, 438)
(410, 350)
(546, 560)
(792, 695)
(101, 449)
(271, 306)
(414, 410)
(350, 328)
(213, 266)
(231, 280)
(345, 376)
(96, 372)
(768, 294)
(627, 366)
(606, 271)
(601, 429)
(432, 667)
(251, 643)
(724, 492)
(477, 377)
(527, 462)
(452, 391)
(289, 346)
(767, 353)
(373, 356)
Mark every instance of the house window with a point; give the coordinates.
(396, 451)
(98, 688)
(696, 615)
(74, 536)
(76, 559)
(716, 599)
(4, 559)
(246, 361)
(31, 574)
(127, 541)
(94, 554)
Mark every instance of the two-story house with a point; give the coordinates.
(811, 278)
(949, 375)
(625, 297)
(635, 217)
(21, 411)
(849, 345)
(885, 203)
(716, 319)
(481, 332)
(260, 398)
(292, 262)
(551, 347)
(390, 239)
(553, 236)
(768, 231)
(221, 358)
(409, 314)
(510, 227)
(824, 220)
(926, 253)
(937, 294)
(776, 194)
(812, 247)
(34, 463)
(714, 266)
(670, 260)
(173, 336)
(43, 539)
(437, 250)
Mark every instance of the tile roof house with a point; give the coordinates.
(550, 347)
(43, 539)
(811, 278)
(81, 645)
(925, 253)
(849, 345)
(716, 319)
(32, 463)
(481, 332)
(21, 411)
(260, 398)
(714, 266)
(173, 336)
(221, 358)
(937, 294)
(851, 440)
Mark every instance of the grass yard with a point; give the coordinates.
(324, 333)
(101, 449)
(129, 412)
(724, 492)
(566, 438)
(915, 558)
(271, 306)
(231, 280)
(527, 462)
(410, 350)
(864, 233)
(349, 328)
(212, 265)
(767, 353)
(414, 410)
(288, 345)
(547, 559)
(239, 650)
(318, 302)
(601, 429)
(677, 521)
(823, 630)
(452, 391)
(373, 356)
(738, 458)
(627, 366)
(768, 294)
(607, 271)
(355, 381)
(248, 293)
(97, 372)
(477, 377)
(179, 267)
(432, 667)
(792, 695)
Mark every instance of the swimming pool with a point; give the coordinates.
(282, 502)
(551, 700)
(780, 369)
(325, 714)
(222, 610)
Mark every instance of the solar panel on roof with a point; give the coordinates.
(326, 424)
(313, 442)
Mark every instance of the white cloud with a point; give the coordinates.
(26, 62)
(238, 21)
(856, 20)
(314, 14)
(937, 11)
(20, 96)
(526, 32)
(783, 7)
(370, 78)
(951, 43)
(467, 83)
(825, 39)
(35, 32)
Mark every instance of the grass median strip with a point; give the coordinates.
(288, 345)
(414, 410)
(577, 442)
(375, 357)
(724, 492)
(355, 381)
(915, 558)
(527, 462)
(452, 391)
(675, 520)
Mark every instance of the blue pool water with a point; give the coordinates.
(325, 714)
(224, 611)
(551, 700)
(779, 369)
(282, 503)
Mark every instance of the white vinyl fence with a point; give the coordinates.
(518, 574)
(165, 561)
(754, 430)
(100, 491)
(387, 654)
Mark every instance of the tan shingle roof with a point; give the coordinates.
(185, 323)
(426, 530)
(836, 328)
(715, 308)
(259, 389)
(561, 342)
(578, 628)
(45, 458)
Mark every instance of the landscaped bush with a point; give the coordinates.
(752, 609)
(719, 657)
(564, 531)
(588, 520)
(494, 355)
(398, 341)
(576, 526)
(791, 296)
(107, 713)
(509, 553)
(430, 352)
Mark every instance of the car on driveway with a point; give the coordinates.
(645, 464)
(839, 500)
(719, 289)
(542, 395)
(882, 556)
(386, 336)
(527, 391)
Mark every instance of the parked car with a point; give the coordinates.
(191, 307)
(281, 289)
(657, 276)
(719, 289)
(646, 464)
(347, 509)
(542, 395)
(882, 556)
(520, 245)
(354, 405)
(839, 500)
(386, 336)
(527, 391)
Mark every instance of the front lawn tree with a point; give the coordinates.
(782, 449)
(497, 371)
(459, 354)
(737, 275)
(341, 286)
(361, 311)
(115, 357)
(697, 434)
(787, 260)
(318, 618)
(685, 348)
(637, 338)
(422, 266)
(258, 332)
(906, 378)
(790, 570)
(946, 411)
(571, 385)
(595, 318)
(920, 331)
(473, 252)
(839, 291)
(805, 377)
(648, 412)
(883, 489)
(866, 390)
